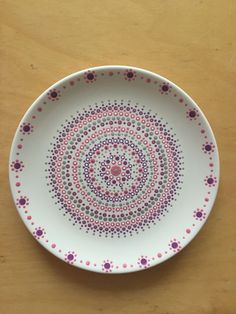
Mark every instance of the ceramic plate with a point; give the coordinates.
(114, 169)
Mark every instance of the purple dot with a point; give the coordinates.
(165, 88)
(70, 257)
(130, 74)
(192, 114)
(22, 201)
(39, 233)
(199, 214)
(17, 165)
(143, 261)
(53, 94)
(26, 128)
(210, 180)
(174, 245)
(90, 76)
(107, 265)
(208, 147)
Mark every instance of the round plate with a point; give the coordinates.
(114, 169)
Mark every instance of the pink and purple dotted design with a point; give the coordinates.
(115, 169)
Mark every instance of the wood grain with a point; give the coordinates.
(190, 42)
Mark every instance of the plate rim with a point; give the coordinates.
(145, 72)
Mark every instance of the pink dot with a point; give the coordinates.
(115, 170)
(159, 255)
(88, 263)
(181, 100)
(188, 230)
(17, 183)
(29, 217)
(17, 177)
(124, 265)
(81, 261)
(39, 109)
(19, 146)
(53, 245)
(206, 199)
(33, 117)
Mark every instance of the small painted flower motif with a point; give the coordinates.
(70, 257)
(107, 266)
(39, 233)
(192, 114)
(208, 148)
(17, 165)
(174, 245)
(54, 94)
(90, 76)
(22, 202)
(143, 262)
(210, 180)
(26, 128)
(130, 75)
(165, 88)
(199, 214)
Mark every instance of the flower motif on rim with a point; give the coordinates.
(143, 262)
(70, 257)
(90, 76)
(130, 75)
(39, 233)
(107, 266)
(174, 245)
(17, 165)
(192, 114)
(22, 202)
(199, 214)
(208, 148)
(165, 88)
(54, 94)
(210, 181)
(26, 128)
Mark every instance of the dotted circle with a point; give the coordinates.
(115, 169)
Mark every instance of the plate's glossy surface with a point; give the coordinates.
(114, 169)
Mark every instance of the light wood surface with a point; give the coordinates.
(190, 42)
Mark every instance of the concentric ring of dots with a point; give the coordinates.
(115, 169)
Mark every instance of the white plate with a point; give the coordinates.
(114, 169)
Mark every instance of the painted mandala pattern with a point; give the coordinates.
(115, 169)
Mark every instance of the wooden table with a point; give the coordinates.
(190, 42)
